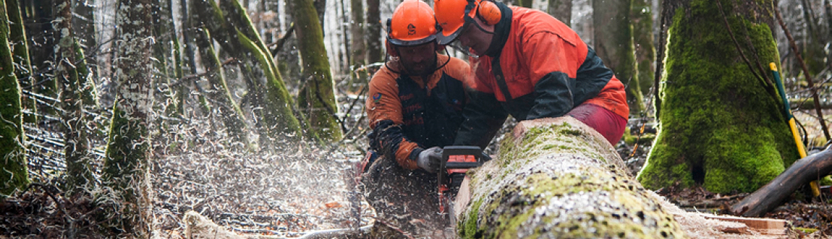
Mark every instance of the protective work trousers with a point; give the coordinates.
(405, 201)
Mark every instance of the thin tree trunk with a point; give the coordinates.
(127, 165)
(41, 53)
(374, 52)
(14, 173)
(733, 137)
(23, 67)
(614, 44)
(317, 95)
(558, 178)
(76, 150)
(83, 25)
(359, 54)
(641, 18)
(562, 10)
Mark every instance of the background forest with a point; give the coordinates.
(120, 116)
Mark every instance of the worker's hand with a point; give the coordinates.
(429, 159)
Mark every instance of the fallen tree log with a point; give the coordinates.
(557, 178)
(774, 193)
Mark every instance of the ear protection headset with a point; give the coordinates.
(487, 11)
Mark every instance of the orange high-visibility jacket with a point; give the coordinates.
(535, 67)
(408, 114)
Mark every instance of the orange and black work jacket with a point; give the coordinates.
(408, 114)
(535, 67)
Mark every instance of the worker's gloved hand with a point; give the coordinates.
(429, 159)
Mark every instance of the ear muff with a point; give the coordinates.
(390, 49)
(489, 12)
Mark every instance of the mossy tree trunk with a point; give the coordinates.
(126, 167)
(562, 10)
(614, 44)
(76, 150)
(22, 63)
(14, 173)
(233, 30)
(641, 18)
(558, 178)
(317, 96)
(84, 29)
(524, 3)
(719, 127)
(374, 26)
(229, 111)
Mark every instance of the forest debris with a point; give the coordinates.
(763, 225)
(198, 226)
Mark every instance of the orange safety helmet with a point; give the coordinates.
(453, 15)
(413, 23)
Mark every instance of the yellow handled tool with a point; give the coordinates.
(787, 112)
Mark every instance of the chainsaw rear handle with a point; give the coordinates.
(461, 165)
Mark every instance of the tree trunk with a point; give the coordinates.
(14, 173)
(84, 30)
(558, 178)
(23, 67)
(641, 18)
(614, 44)
(230, 112)
(358, 46)
(238, 38)
(76, 150)
(126, 167)
(719, 127)
(167, 64)
(524, 3)
(41, 52)
(562, 10)
(374, 26)
(317, 97)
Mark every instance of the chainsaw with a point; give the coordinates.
(457, 161)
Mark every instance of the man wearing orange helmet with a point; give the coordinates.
(533, 65)
(414, 108)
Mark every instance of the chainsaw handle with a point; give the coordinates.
(462, 164)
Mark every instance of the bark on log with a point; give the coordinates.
(778, 190)
(557, 178)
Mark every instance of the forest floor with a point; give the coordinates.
(301, 190)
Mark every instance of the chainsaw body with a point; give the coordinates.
(457, 161)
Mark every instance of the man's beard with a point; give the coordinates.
(423, 73)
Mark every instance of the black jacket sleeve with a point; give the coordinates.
(554, 96)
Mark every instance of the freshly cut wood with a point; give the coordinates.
(558, 178)
(778, 190)
(763, 225)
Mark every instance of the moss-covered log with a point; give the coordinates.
(718, 125)
(23, 66)
(78, 162)
(562, 10)
(126, 167)
(317, 96)
(614, 44)
(641, 18)
(13, 171)
(558, 178)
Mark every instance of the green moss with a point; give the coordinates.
(716, 115)
(13, 171)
